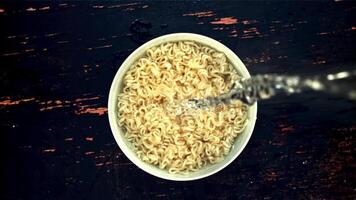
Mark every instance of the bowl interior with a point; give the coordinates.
(126, 146)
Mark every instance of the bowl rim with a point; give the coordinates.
(112, 100)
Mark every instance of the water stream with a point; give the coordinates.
(267, 86)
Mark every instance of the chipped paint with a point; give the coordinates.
(246, 37)
(103, 163)
(52, 107)
(63, 42)
(89, 153)
(52, 104)
(218, 28)
(10, 102)
(233, 33)
(98, 6)
(30, 9)
(98, 111)
(287, 129)
(252, 30)
(45, 8)
(318, 62)
(129, 9)
(29, 50)
(246, 22)
(99, 47)
(68, 139)
(51, 150)
(225, 21)
(86, 99)
(271, 175)
(123, 5)
(200, 14)
(11, 54)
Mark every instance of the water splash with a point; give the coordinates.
(261, 87)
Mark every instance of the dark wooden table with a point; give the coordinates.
(57, 61)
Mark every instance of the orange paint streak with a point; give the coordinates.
(9, 102)
(99, 47)
(225, 20)
(89, 153)
(123, 5)
(246, 22)
(11, 54)
(353, 28)
(69, 139)
(99, 111)
(30, 9)
(282, 57)
(86, 99)
(251, 30)
(49, 105)
(200, 14)
(52, 107)
(29, 50)
(63, 42)
(47, 102)
(101, 164)
(49, 150)
(272, 174)
(129, 9)
(247, 37)
(45, 8)
(319, 62)
(287, 129)
(300, 151)
(99, 6)
(90, 139)
(218, 28)
(323, 33)
(78, 103)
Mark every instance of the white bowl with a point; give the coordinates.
(126, 146)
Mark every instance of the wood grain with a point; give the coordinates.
(57, 61)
